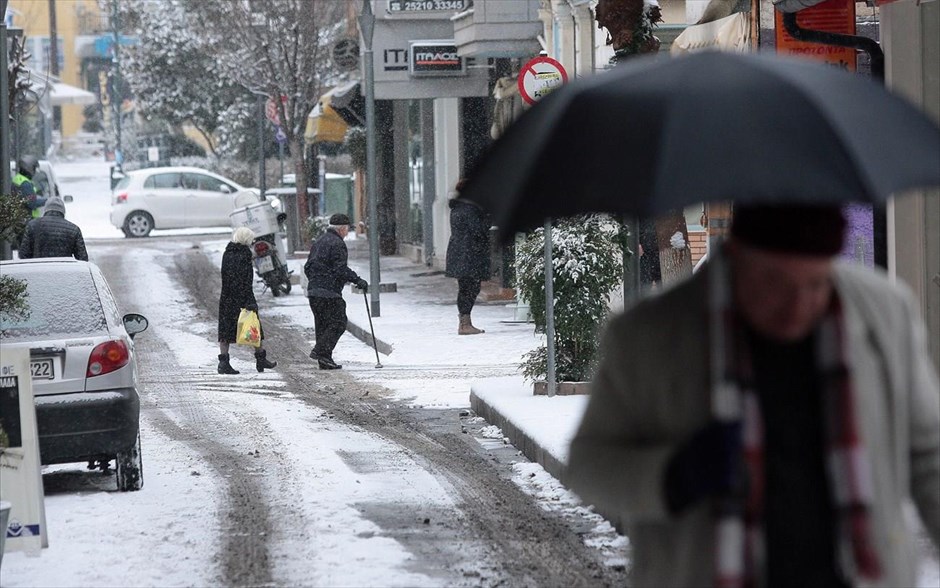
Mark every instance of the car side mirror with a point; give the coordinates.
(67, 198)
(224, 188)
(135, 323)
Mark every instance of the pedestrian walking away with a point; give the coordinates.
(327, 271)
(804, 416)
(237, 294)
(52, 236)
(468, 255)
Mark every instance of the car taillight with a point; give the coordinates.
(107, 357)
(261, 248)
(120, 198)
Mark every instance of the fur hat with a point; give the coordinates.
(339, 219)
(243, 235)
(54, 204)
(800, 229)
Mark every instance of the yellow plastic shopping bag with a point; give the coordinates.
(249, 329)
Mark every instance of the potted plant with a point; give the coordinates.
(587, 260)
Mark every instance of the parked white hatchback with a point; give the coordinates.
(171, 198)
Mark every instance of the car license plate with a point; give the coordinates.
(42, 369)
(264, 264)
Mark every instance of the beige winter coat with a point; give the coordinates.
(651, 393)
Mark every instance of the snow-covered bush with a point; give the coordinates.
(587, 258)
(315, 226)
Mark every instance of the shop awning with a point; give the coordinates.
(61, 94)
(334, 113)
(324, 125)
(58, 92)
(732, 33)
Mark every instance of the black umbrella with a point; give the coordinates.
(657, 134)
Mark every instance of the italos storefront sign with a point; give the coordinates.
(435, 58)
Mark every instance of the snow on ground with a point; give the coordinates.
(97, 535)
(550, 422)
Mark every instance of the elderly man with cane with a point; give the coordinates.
(327, 272)
(765, 422)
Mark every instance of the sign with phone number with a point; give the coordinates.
(427, 5)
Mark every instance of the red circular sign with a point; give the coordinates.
(539, 76)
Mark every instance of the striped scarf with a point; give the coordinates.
(739, 538)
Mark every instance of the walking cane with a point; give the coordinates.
(375, 346)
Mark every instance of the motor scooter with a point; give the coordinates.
(262, 217)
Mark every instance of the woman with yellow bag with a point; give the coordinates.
(237, 295)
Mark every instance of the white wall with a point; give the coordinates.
(446, 170)
(910, 36)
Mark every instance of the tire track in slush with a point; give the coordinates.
(243, 557)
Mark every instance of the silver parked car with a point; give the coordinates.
(83, 366)
(171, 198)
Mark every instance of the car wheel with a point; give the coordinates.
(130, 469)
(138, 224)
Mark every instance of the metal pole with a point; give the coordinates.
(632, 284)
(5, 179)
(549, 310)
(367, 27)
(54, 60)
(117, 98)
(321, 183)
(280, 157)
(261, 178)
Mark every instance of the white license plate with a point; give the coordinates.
(42, 369)
(264, 264)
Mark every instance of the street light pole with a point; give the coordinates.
(117, 92)
(367, 28)
(261, 170)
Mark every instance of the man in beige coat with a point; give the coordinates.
(766, 422)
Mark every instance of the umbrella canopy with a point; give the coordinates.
(654, 135)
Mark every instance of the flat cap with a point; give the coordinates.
(339, 219)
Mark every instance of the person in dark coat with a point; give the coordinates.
(236, 294)
(468, 255)
(52, 236)
(327, 272)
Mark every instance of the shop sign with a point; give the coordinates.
(831, 16)
(435, 58)
(419, 6)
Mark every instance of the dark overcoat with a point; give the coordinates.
(237, 293)
(326, 268)
(52, 236)
(468, 251)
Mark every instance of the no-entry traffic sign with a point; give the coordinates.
(539, 76)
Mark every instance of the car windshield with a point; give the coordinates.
(60, 304)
